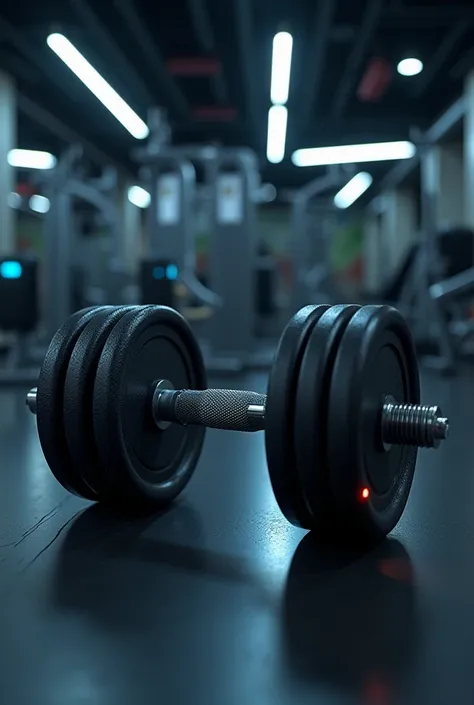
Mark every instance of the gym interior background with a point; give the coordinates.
(246, 164)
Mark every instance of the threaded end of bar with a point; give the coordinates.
(413, 425)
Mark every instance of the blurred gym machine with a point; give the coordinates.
(18, 318)
(433, 285)
(80, 270)
(229, 305)
(439, 291)
(312, 220)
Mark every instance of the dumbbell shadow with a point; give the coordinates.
(347, 619)
(101, 570)
(351, 619)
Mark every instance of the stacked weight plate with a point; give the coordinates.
(329, 467)
(93, 405)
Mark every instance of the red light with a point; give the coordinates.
(365, 493)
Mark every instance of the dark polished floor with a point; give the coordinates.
(220, 601)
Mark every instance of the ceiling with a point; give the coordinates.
(148, 50)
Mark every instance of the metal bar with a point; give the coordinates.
(434, 134)
(245, 39)
(357, 55)
(440, 56)
(463, 66)
(123, 68)
(206, 40)
(164, 82)
(58, 128)
(432, 16)
(314, 66)
(202, 25)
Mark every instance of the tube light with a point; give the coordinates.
(139, 197)
(31, 159)
(91, 78)
(39, 204)
(410, 67)
(14, 200)
(353, 153)
(276, 138)
(281, 68)
(353, 190)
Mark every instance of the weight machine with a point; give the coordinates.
(431, 302)
(229, 305)
(311, 224)
(103, 274)
(19, 316)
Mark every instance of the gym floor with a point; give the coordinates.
(219, 600)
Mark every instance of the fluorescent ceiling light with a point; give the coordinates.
(14, 200)
(353, 190)
(68, 53)
(139, 197)
(353, 153)
(276, 138)
(39, 204)
(281, 67)
(31, 159)
(410, 67)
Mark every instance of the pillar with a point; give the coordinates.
(7, 175)
(399, 227)
(373, 263)
(469, 151)
(447, 175)
(131, 233)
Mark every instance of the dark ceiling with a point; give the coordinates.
(148, 50)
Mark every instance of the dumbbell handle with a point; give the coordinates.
(227, 409)
(241, 410)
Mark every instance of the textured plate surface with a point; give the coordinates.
(143, 463)
(78, 397)
(50, 403)
(311, 410)
(376, 358)
(279, 415)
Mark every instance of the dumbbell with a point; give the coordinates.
(122, 405)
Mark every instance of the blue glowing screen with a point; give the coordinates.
(10, 270)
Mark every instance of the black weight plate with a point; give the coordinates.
(279, 414)
(78, 397)
(311, 409)
(376, 358)
(144, 464)
(50, 403)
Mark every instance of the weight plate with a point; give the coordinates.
(311, 409)
(49, 403)
(78, 397)
(144, 464)
(376, 358)
(279, 415)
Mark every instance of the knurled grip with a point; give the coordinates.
(226, 409)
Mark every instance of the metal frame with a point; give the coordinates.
(310, 277)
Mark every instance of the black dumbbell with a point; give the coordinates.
(122, 405)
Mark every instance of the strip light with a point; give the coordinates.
(281, 67)
(31, 159)
(14, 200)
(353, 153)
(353, 190)
(276, 138)
(91, 78)
(39, 204)
(139, 197)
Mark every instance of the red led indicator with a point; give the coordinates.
(365, 493)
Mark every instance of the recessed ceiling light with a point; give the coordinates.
(410, 67)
